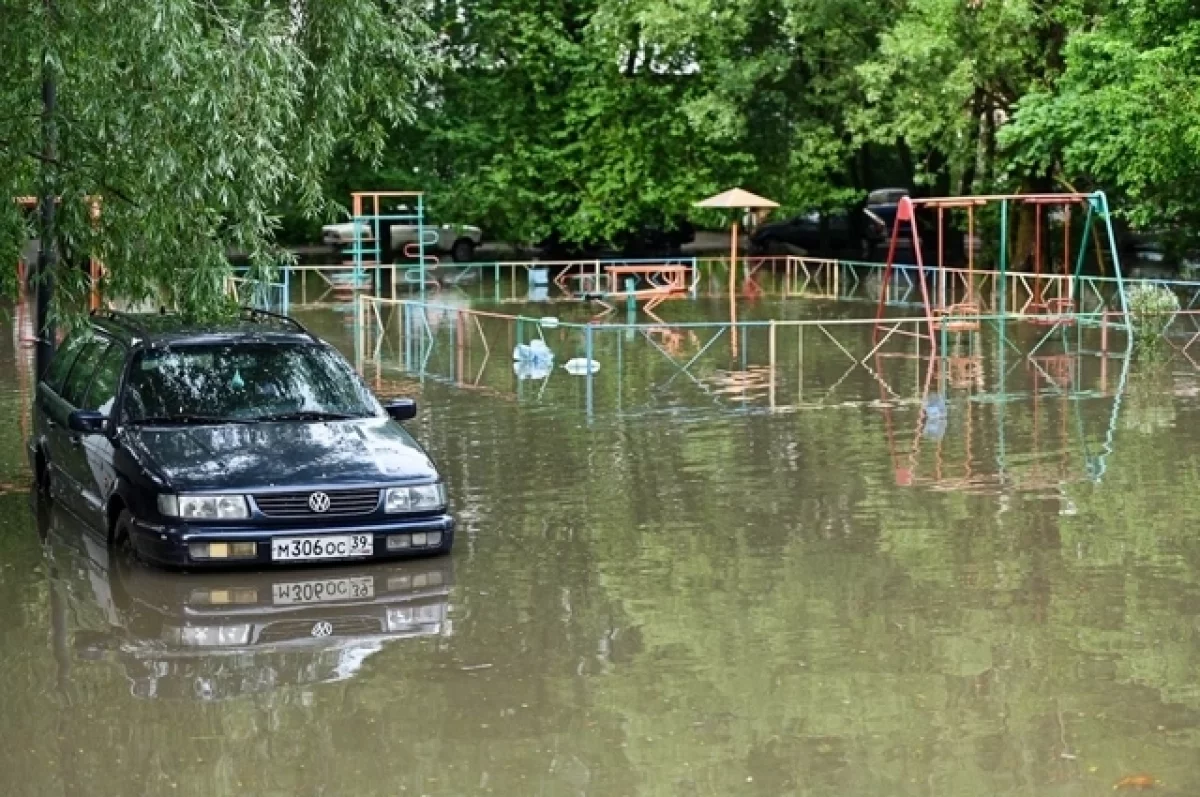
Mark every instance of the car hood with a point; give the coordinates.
(282, 454)
(774, 226)
(345, 228)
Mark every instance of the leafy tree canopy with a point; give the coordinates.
(193, 122)
(202, 123)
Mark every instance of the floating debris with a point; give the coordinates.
(581, 366)
(1136, 782)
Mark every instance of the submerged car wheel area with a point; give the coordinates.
(251, 442)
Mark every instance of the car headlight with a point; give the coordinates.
(204, 507)
(410, 618)
(210, 636)
(422, 498)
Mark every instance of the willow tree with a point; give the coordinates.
(192, 122)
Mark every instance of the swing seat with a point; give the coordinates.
(1052, 312)
(960, 318)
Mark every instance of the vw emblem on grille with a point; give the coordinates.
(322, 629)
(319, 502)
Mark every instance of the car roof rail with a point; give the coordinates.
(256, 314)
(126, 320)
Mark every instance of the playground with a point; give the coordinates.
(973, 334)
(991, 350)
(886, 502)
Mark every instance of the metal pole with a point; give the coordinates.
(1116, 258)
(358, 332)
(941, 254)
(421, 240)
(800, 365)
(402, 337)
(772, 354)
(47, 261)
(733, 329)
(620, 371)
(1002, 372)
(1003, 257)
(287, 289)
(588, 355)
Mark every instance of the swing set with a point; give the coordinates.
(956, 299)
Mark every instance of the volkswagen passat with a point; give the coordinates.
(251, 441)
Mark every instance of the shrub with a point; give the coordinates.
(1152, 308)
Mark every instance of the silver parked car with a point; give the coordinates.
(457, 240)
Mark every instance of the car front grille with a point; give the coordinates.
(287, 630)
(342, 503)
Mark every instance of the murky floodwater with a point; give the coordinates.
(862, 596)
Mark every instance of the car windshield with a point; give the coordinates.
(243, 383)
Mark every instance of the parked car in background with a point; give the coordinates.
(652, 239)
(457, 240)
(837, 233)
(863, 232)
(881, 208)
(244, 442)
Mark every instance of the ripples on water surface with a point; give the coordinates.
(698, 599)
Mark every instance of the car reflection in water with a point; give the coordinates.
(215, 636)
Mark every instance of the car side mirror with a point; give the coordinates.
(87, 422)
(401, 409)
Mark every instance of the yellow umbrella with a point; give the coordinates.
(736, 199)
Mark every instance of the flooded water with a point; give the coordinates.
(853, 593)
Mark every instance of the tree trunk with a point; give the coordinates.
(989, 145)
(48, 254)
(1025, 251)
(865, 172)
(936, 164)
(966, 182)
(906, 162)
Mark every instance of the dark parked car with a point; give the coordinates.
(882, 205)
(250, 441)
(837, 233)
(652, 239)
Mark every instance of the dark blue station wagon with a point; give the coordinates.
(247, 442)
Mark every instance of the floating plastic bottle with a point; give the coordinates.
(581, 366)
(527, 370)
(535, 351)
(936, 417)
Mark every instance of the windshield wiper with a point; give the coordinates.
(308, 415)
(166, 420)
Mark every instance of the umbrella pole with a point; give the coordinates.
(733, 247)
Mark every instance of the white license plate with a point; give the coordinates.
(299, 549)
(329, 589)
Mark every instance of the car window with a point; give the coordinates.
(104, 385)
(886, 196)
(60, 366)
(76, 385)
(243, 382)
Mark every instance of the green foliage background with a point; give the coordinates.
(204, 124)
